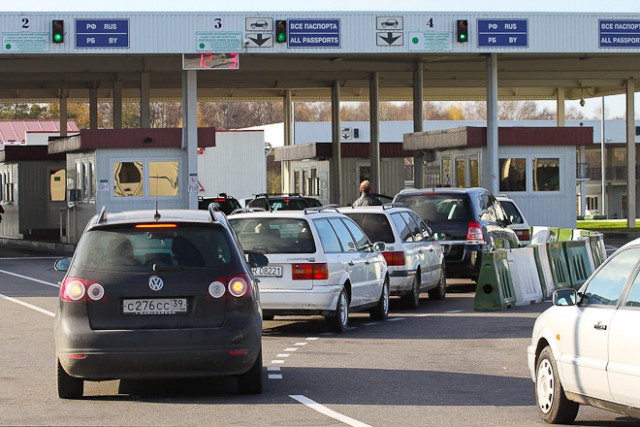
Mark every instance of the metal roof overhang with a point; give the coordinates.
(309, 77)
(322, 151)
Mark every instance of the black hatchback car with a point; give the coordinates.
(281, 202)
(151, 295)
(466, 222)
(223, 202)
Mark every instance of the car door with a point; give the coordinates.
(373, 261)
(355, 263)
(584, 351)
(431, 261)
(624, 346)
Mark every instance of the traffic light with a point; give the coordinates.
(281, 31)
(57, 31)
(462, 30)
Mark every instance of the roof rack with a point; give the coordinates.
(248, 210)
(214, 212)
(389, 206)
(103, 215)
(318, 209)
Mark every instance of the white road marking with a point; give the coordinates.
(55, 285)
(275, 376)
(301, 343)
(273, 368)
(425, 315)
(313, 339)
(455, 311)
(282, 355)
(277, 362)
(395, 319)
(370, 324)
(328, 412)
(32, 307)
(291, 349)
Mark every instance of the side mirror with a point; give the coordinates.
(565, 297)
(257, 260)
(379, 246)
(62, 264)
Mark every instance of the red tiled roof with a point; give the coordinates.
(14, 131)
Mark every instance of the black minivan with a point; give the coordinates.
(466, 222)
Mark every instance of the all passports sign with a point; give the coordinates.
(310, 33)
(618, 33)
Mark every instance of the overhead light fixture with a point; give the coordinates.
(582, 102)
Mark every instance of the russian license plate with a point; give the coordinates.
(154, 306)
(268, 271)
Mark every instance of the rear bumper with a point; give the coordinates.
(318, 300)
(464, 261)
(400, 281)
(158, 353)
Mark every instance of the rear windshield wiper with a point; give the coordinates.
(162, 267)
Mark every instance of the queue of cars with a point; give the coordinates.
(181, 293)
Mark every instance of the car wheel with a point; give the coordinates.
(339, 320)
(553, 405)
(381, 311)
(251, 381)
(68, 386)
(412, 299)
(441, 290)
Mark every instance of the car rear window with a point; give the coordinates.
(288, 204)
(438, 208)
(139, 249)
(512, 212)
(274, 235)
(375, 225)
(226, 205)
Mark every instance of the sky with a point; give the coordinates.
(614, 104)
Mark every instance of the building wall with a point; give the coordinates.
(237, 165)
(37, 213)
(10, 226)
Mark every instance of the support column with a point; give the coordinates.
(145, 100)
(93, 106)
(560, 115)
(335, 179)
(374, 125)
(631, 155)
(63, 107)
(288, 140)
(190, 135)
(492, 175)
(117, 104)
(418, 120)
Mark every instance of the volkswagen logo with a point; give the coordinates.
(155, 283)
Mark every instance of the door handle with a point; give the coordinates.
(351, 263)
(600, 326)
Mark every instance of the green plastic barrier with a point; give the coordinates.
(598, 251)
(554, 233)
(559, 268)
(580, 267)
(565, 234)
(494, 291)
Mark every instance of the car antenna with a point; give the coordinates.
(156, 216)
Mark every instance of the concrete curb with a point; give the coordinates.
(62, 248)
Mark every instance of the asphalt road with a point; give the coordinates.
(440, 365)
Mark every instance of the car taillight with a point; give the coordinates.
(239, 286)
(474, 232)
(217, 289)
(76, 289)
(309, 271)
(523, 234)
(394, 258)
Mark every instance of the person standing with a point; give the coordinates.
(366, 198)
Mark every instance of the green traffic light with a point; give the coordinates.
(282, 38)
(57, 38)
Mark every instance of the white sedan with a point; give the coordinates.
(584, 349)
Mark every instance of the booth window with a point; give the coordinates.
(296, 181)
(89, 186)
(460, 173)
(475, 172)
(446, 172)
(163, 179)
(314, 182)
(546, 174)
(57, 185)
(127, 179)
(513, 174)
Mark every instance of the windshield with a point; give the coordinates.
(438, 208)
(139, 249)
(274, 235)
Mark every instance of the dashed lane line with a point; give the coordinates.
(24, 304)
(328, 412)
(9, 273)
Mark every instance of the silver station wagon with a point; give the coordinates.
(320, 262)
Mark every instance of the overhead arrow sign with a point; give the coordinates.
(260, 40)
(389, 39)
